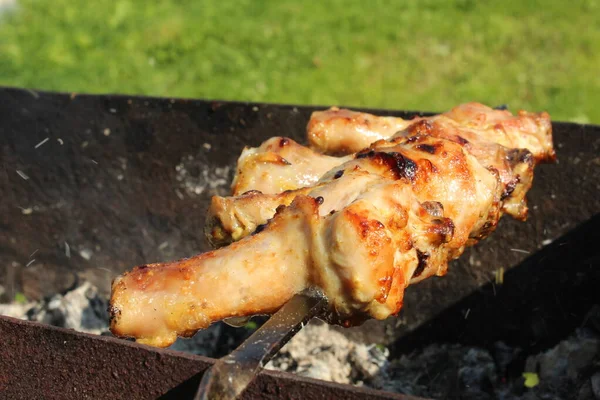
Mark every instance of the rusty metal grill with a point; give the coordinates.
(79, 194)
(43, 362)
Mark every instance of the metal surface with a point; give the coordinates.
(43, 362)
(538, 303)
(125, 181)
(232, 374)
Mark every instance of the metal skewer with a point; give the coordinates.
(230, 375)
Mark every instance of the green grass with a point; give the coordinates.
(412, 54)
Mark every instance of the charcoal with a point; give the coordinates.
(568, 358)
(570, 369)
(592, 319)
(595, 385)
(203, 343)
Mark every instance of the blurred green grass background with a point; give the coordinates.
(413, 54)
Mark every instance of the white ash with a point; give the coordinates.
(86, 254)
(320, 352)
(85, 310)
(571, 369)
(16, 310)
(196, 178)
(567, 359)
(595, 384)
(22, 175)
(572, 366)
(82, 309)
(41, 143)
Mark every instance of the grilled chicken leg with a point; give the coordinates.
(155, 303)
(341, 131)
(336, 131)
(423, 199)
(282, 164)
(231, 218)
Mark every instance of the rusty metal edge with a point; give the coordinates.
(382, 111)
(373, 110)
(46, 362)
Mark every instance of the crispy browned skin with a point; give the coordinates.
(341, 131)
(388, 216)
(155, 303)
(514, 166)
(281, 164)
(394, 214)
(336, 131)
(231, 218)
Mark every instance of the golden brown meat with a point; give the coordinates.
(231, 218)
(414, 205)
(336, 131)
(514, 166)
(155, 303)
(341, 131)
(281, 164)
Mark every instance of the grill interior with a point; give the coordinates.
(123, 181)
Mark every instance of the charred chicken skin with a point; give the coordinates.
(231, 218)
(390, 215)
(336, 131)
(281, 164)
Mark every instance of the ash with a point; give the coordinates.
(320, 352)
(569, 370)
(82, 309)
(195, 177)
